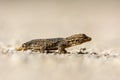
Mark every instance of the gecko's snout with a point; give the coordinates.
(89, 39)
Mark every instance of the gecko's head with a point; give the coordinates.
(78, 39)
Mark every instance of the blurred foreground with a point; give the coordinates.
(89, 66)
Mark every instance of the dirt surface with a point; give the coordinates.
(83, 64)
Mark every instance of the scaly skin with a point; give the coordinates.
(45, 45)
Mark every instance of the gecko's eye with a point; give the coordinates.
(76, 40)
(36, 43)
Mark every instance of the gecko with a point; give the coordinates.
(60, 44)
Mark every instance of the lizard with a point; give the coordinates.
(44, 45)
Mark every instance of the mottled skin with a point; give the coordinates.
(44, 45)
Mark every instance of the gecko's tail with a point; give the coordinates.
(19, 49)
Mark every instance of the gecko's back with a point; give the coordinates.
(48, 44)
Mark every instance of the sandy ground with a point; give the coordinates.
(21, 21)
(29, 66)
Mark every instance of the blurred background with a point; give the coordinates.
(31, 19)
(23, 20)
